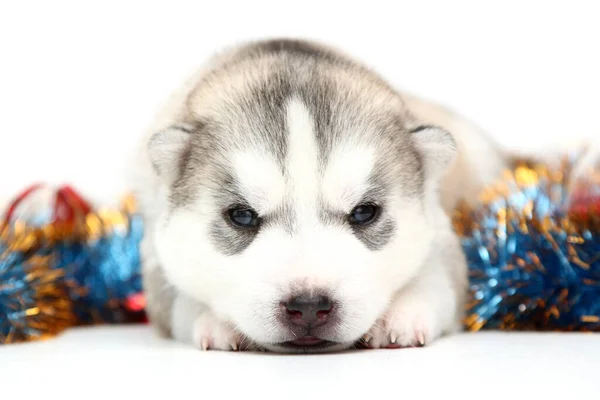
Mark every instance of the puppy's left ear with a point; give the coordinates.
(437, 147)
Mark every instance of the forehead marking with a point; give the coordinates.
(302, 160)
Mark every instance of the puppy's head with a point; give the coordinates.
(301, 196)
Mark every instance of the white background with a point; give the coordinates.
(80, 81)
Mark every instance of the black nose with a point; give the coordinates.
(307, 310)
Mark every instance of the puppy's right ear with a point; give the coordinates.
(166, 150)
(437, 147)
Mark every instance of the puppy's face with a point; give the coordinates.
(298, 207)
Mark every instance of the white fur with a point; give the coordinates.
(345, 179)
(263, 184)
(302, 161)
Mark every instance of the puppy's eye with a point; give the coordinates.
(243, 217)
(363, 214)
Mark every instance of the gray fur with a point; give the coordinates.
(376, 235)
(229, 240)
(255, 114)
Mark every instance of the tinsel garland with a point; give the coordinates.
(532, 243)
(33, 304)
(533, 252)
(80, 269)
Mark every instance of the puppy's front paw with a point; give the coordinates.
(210, 333)
(409, 322)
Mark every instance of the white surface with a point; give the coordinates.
(132, 363)
(79, 82)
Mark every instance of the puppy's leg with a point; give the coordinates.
(195, 323)
(427, 308)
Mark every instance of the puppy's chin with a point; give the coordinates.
(325, 347)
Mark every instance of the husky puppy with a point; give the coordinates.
(295, 202)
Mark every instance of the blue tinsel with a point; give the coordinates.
(529, 268)
(54, 284)
(101, 274)
(33, 301)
